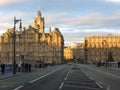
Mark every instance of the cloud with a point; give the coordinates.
(79, 36)
(7, 19)
(6, 2)
(91, 20)
(115, 1)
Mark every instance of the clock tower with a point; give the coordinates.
(39, 22)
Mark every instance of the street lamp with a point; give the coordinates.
(85, 48)
(14, 38)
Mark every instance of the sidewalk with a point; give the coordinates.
(111, 68)
(10, 74)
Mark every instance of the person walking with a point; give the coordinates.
(19, 67)
(3, 68)
(29, 67)
(119, 64)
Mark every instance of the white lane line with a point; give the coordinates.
(86, 83)
(44, 75)
(81, 87)
(69, 71)
(67, 75)
(61, 85)
(98, 84)
(18, 88)
(104, 72)
(65, 78)
(108, 88)
(91, 78)
(87, 75)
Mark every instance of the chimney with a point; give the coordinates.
(49, 29)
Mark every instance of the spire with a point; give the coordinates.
(39, 13)
(39, 22)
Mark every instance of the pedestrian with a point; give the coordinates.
(29, 67)
(23, 67)
(119, 64)
(3, 68)
(16, 67)
(26, 67)
(106, 64)
(19, 67)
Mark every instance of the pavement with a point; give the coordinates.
(10, 82)
(9, 74)
(64, 79)
(111, 68)
(114, 68)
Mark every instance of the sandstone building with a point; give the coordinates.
(33, 44)
(98, 48)
(74, 52)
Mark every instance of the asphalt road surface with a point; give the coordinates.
(67, 78)
(105, 77)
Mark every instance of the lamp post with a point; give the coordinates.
(14, 38)
(85, 48)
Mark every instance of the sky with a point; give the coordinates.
(74, 18)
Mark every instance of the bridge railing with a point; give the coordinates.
(113, 65)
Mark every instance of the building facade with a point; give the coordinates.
(33, 44)
(68, 54)
(99, 48)
(75, 52)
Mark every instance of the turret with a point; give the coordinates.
(39, 22)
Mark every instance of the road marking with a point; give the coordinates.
(86, 75)
(18, 88)
(108, 88)
(91, 78)
(65, 78)
(104, 72)
(39, 78)
(82, 87)
(69, 71)
(78, 82)
(61, 85)
(67, 75)
(44, 75)
(98, 84)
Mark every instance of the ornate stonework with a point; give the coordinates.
(98, 47)
(33, 44)
(75, 52)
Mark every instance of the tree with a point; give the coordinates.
(110, 57)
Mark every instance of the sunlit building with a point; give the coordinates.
(98, 48)
(68, 54)
(33, 44)
(75, 51)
